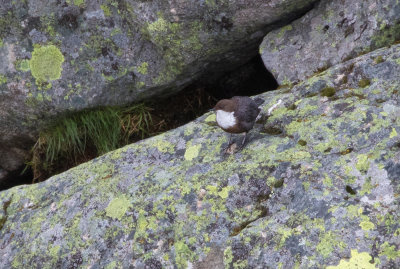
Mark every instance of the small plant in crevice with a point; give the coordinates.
(136, 121)
(84, 135)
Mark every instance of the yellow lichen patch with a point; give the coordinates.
(389, 251)
(79, 3)
(3, 79)
(224, 193)
(143, 68)
(329, 241)
(106, 10)
(46, 63)
(353, 211)
(111, 265)
(117, 208)
(210, 118)
(367, 225)
(284, 234)
(192, 152)
(362, 163)
(393, 133)
(357, 261)
(164, 146)
(141, 224)
(228, 257)
(284, 29)
(182, 253)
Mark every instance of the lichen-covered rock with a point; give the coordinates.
(332, 32)
(70, 55)
(316, 185)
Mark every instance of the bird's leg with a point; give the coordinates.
(244, 140)
(229, 144)
(230, 138)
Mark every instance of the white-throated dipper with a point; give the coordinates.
(237, 115)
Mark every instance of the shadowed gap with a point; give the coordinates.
(252, 78)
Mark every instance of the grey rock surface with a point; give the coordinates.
(332, 32)
(316, 186)
(58, 57)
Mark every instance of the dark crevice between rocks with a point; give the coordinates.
(23, 175)
(250, 79)
(171, 112)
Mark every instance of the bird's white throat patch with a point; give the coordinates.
(225, 119)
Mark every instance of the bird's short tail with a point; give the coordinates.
(258, 101)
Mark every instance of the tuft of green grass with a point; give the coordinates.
(87, 134)
(82, 136)
(136, 120)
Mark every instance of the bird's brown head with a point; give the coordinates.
(227, 105)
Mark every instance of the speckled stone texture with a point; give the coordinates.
(316, 186)
(69, 55)
(332, 32)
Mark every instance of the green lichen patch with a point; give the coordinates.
(142, 69)
(389, 34)
(106, 9)
(117, 207)
(329, 241)
(176, 41)
(362, 162)
(192, 151)
(284, 29)
(389, 251)
(164, 146)
(210, 118)
(46, 63)
(79, 3)
(182, 254)
(357, 261)
(22, 65)
(393, 133)
(366, 225)
(3, 79)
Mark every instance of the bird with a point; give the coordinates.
(237, 115)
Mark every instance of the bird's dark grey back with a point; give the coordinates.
(247, 111)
